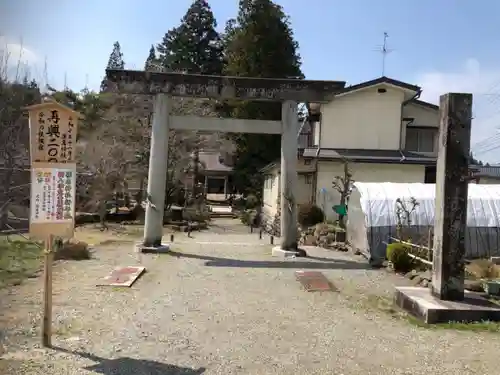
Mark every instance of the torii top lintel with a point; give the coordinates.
(223, 87)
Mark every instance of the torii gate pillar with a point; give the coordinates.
(288, 183)
(157, 173)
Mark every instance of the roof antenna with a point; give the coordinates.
(384, 51)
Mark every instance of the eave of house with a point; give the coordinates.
(382, 81)
(369, 156)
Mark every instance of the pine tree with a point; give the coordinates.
(194, 46)
(151, 60)
(115, 62)
(259, 43)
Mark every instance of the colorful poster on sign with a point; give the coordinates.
(53, 195)
(53, 130)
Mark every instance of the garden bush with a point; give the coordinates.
(251, 202)
(310, 215)
(397, 254)
(248, 217)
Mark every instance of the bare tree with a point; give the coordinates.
(104, 157)
(343, 184)
(404, 210)
(15, 94)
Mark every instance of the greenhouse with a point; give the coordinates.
(373, 218)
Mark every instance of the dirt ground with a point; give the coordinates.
(219, 303)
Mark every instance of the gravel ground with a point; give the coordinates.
(228, 309)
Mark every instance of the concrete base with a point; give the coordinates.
(279, 252)
(420, 303)
(163, 248)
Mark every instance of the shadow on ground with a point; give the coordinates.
(127, 365)
(317, 263)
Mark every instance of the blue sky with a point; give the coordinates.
(444, 45)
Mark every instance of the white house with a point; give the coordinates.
(380, 127)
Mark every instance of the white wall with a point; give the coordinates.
(362, 172)
(364, 119)
(423, 116)
(271, 192)
(489, 181)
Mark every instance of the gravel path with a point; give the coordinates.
(228, 309)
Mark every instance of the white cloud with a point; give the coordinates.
(484, 84)
(16, 59)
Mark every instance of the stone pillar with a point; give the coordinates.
(157, 174)
(451, 196)
(288, 185)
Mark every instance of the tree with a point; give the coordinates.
(15, 95)
(343, 185)
(473, 160)
(151, 61)
(194, 46)
(115, 61)
(258, 43)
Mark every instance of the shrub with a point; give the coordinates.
(251, 202)
(72, 250)
(192, 214)
(397, 254)
(248, 217)
(310, 215)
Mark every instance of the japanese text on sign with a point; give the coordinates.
(53, 195)
(53, 134)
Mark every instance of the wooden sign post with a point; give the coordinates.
(53, 129)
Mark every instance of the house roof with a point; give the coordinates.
(487, 171)
(377, 81)
(269, 167)
(425, 104)
(314, 108)
(212, 161)
(369, 156)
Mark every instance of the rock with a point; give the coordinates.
(474, 285)
(411, 275)
(309, 240)
(416, 280)
(427, 275)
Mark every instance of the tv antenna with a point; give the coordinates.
(384, 51)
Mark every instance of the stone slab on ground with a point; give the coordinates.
(163, 248)
(279, 252)
(122, 276)
(420, 303)
(313, 281)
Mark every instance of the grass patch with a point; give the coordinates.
(387, 306)
(19, 259)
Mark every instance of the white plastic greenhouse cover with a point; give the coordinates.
(378, 203)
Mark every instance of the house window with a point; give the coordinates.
(308, 179)
(307, 161)
(420, 139)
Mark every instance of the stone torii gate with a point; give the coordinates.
(165, 85)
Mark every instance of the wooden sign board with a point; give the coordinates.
(53, 129)
(53, 194)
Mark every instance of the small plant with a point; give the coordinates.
(343, 184)
(397, 254)
(310, 215)
(72, 250)
(404, 210)
(251, 202)
(248, 217)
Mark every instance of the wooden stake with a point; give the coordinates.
(47, 293)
